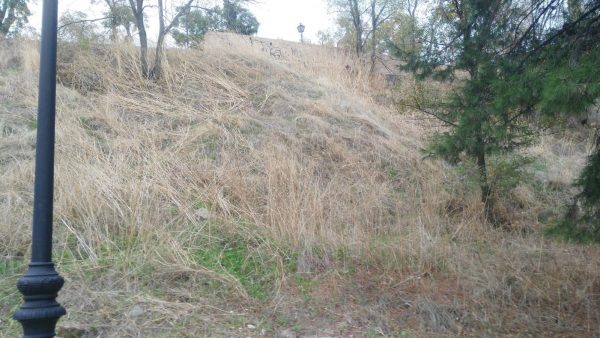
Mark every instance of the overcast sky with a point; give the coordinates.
(278, 18)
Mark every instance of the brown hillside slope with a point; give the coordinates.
(247, 194)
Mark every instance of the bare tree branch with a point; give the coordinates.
(84, 20)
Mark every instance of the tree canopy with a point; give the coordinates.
(520, 66)
(13, 15)
(232, 17)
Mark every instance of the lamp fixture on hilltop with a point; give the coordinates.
(301, 28)
(40, 285)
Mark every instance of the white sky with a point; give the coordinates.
(278, 18)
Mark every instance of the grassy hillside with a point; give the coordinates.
(252, 193)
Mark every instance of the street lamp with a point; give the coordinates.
(40, 285)
(301, 28)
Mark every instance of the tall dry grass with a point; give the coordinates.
(294, 158)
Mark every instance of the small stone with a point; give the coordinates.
(202, 214)
(287, 334)
(251, 327)
(136, 311)
(303, 264)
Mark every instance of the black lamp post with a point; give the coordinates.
(301, 28)
(40, 285)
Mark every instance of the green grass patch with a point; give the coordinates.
(200, 204)
(255, 269)
(391, 172)
(10, 298)
(538, 164)
(9, 267)
(305, 285)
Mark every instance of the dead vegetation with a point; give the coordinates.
(248, 195)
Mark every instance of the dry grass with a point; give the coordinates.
(307, 176)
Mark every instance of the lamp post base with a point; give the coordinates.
(40, 312)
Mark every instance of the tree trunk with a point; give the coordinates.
(156, 71)
(486, 192)
(113, 33)
(374, 24)
(137, 8)
(357, 22)
(358, 42)
(412, 9)
(163, 30)
(143, 49)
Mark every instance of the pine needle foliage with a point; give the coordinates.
(480, 115)
(527, 66)
(568, 73)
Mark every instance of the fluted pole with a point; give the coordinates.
(40, 285)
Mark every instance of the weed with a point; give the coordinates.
(305, 285)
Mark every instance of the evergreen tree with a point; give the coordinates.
(566, 65)
(476, 33)
(553, 72)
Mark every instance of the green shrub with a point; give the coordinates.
(582, 231)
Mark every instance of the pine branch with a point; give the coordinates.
(566, 28)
